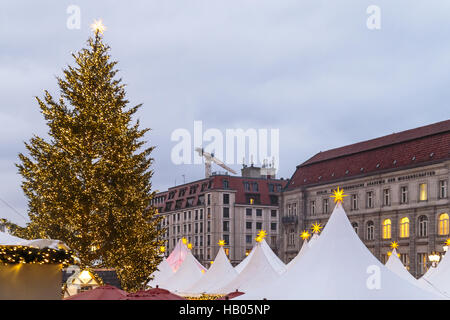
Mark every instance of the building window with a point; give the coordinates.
(404, 227)
(291, 238)
(209, 198)
(196, 228)
(422, 263)
(209, 213)
(289, 210)
(273, 226)
(255, 186)
(259, 212)
(370, 230)
(248, 225)
(226, 238)
(225, 184)
(227, 251)
(404, 257)
(201, 214)
(404, 194)
(273, 213)
(369, 198)
(423, 226)
(273, 240)
(443, 187)
(189, 228)
(248, 212)
(443, 224)
(423, 192)
(226, 212)
(226, 226)
(208, 240)
(258, 225)
(208, 226)
(294, 208)
(354, 202)
(226, 198)
(313, 208)
(246, 186)
(248, 238)
(387, 229)
(196, 215)
(355, 227)
(325, 206)
(387, 197)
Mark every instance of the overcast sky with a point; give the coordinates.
(311, 69)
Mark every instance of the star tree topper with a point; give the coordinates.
(261, 235)
(98, 26)
(221, 243)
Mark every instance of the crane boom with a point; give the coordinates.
(210, 158)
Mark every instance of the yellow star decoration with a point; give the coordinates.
(261, 235)
(162, 249)
(447, 242)
(316, 227)
(221, 243)
(98, 26)
(189, 246)
(305, 235)
(211, 262)
(394, 245)
(338, 195)
(184, 240)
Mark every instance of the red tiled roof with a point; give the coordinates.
(235, 184)
(405, 149)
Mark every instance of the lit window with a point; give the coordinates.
(423, 195)
(404, 227)
(387, 229)
(443, 224)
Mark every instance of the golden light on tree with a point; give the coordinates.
(162, 249)
(338, 195)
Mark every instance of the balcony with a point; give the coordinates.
(289, 219)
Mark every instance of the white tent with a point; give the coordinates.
(178, 254)
(338, 266)
(218, 275)
(258, 270)
(395, 265)
(273, 259)
(439, 277)
(7, 239)
(300, 254)
(163, 273)
(187, 274)
(43, 243)
(313, 239)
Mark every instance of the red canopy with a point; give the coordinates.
(152, 294)
(232, 295)
(106, 292)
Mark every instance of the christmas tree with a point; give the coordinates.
(89, 184)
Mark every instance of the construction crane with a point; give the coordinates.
(209, 158)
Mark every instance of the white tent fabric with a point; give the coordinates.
(178, 254)
(439, 277)
(218, 275)
(258, 270)
(7, 239)
(395, 265)
(299, 255)
(186, 275)
(338, 266)
(313, 239)
(163, 273)
(273, 259)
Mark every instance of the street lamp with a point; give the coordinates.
(434, 259)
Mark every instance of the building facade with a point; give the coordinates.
(232, 208)
(397, 188)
